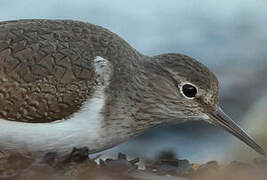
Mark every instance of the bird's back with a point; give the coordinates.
(46, 69)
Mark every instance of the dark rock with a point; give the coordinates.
(121, 164)
(78, 155)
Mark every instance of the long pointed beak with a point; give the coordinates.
(223, 120)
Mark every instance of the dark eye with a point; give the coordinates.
(189, 90)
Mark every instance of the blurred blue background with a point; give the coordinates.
(230, 37)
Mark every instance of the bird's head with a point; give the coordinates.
(184, 89)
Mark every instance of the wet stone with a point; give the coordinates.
(121, 164)
(167, 164)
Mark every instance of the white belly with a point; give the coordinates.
(82, 129)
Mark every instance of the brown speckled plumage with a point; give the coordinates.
(46, 69)
(42, 77)
(48, 73)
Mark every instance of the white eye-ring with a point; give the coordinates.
(189, 90)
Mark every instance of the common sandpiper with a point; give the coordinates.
(66, 84)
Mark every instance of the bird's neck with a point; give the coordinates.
(124, 94)
(111, 47)
(126, 103)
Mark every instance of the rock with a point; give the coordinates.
(207, 171)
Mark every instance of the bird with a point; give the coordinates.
(66, 83)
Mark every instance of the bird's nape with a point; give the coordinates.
(223, 120)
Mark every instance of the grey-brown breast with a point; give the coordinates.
(46, 71)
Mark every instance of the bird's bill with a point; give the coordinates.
(223, 120)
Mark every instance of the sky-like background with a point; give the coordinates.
(230, 37)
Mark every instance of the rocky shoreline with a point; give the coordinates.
(78, 165)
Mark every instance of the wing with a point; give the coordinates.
(46, 71)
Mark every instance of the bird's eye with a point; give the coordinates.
(189, 90)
